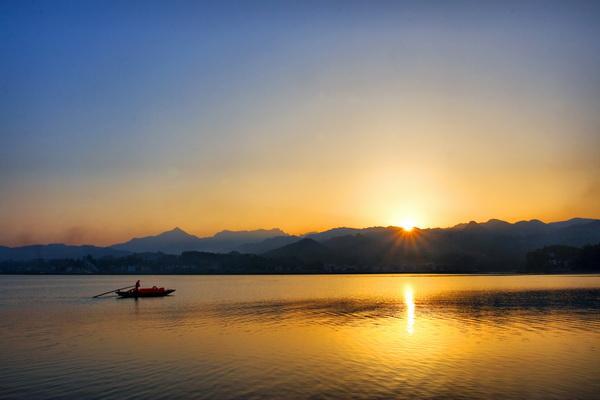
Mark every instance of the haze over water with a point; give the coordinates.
(373, 336)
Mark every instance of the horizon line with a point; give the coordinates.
(306, 233)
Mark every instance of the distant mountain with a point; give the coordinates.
(534, 224)
(56, 251)
(532, 227)
(171, 242)
(344, 231)
(535, 233)
(579, 234)
(267, 244)
(174, 241)
(331, 233)
(572, 222)
(496, 225)
(177, 241)
(258, 234)
(279, 241)
(494, 245)
(306, 250)
(226, 241)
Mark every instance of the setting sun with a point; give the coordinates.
(407, 224)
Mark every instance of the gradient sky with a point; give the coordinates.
(123, 119)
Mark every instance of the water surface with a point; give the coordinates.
(317, 337)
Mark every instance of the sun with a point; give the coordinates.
(406, 221)
(408, 224)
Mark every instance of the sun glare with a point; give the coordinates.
(407, 224)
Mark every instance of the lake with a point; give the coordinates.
(302, 337)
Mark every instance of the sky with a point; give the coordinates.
(128, 118)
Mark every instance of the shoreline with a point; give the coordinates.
(322, 274)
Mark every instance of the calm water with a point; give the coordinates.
(385, 336)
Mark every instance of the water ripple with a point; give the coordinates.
(419, 339)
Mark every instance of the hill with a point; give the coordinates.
(177, 241)
(305, 250)
(171, 242)
(493, 245)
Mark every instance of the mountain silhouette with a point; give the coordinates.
(494, 245)
(177, 241)
(171, 242)
(266, 245)
(306, 250)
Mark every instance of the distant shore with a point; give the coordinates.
(317, 274)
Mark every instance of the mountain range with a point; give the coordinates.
(174, 241)
(177, 241)
(491, 243)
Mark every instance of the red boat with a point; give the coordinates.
(146, 292)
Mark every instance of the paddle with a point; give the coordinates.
(112, 291)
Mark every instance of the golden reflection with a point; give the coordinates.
(409, 301)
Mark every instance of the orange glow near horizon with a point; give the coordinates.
(104, 234)
(408, 225)
(406, 221)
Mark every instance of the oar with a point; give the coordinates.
(102, 294)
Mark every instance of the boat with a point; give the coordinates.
(145, 292)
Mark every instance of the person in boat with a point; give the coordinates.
(137, 286)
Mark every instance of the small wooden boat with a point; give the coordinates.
(146, 292)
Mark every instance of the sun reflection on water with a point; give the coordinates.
(409, 301)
